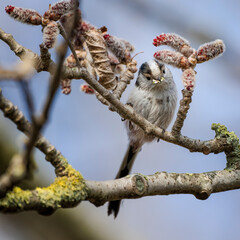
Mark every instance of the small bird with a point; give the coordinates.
(154, 98)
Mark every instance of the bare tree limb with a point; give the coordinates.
(24, 85)
(47, 200)
(201, 185)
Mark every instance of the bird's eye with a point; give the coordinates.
(163, 71)
(148, 78)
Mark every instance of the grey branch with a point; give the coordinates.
(201, 185)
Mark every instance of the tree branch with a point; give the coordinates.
(66, 191)
(201, 185)
(47, 200)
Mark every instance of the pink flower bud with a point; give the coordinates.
(66, 86)
(120, 48)
(87, 89)
(188, 79)
(175, 59)
(86, 26)
(175, 41)
(24, 15)
(210, 50)
(58, 9)
(50, 33)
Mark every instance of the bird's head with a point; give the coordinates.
(153, 74)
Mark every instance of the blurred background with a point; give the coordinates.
(94, 139)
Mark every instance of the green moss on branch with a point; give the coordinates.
(66, 191)
(233, 156)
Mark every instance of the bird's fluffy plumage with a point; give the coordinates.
(154, 98)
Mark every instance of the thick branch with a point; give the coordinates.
(68, 191)
(163, 183)
(65, 192)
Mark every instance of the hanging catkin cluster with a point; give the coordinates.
(119, 47)
(210, 50)
(175, 41)
(185, 57)
(106, 57)
(24, 15)
(50, 33)
(57, 10)
(48, 20)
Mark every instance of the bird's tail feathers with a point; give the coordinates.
(124, 170)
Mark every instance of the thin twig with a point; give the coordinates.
(63, 33)
(182, 112)
(24, 85)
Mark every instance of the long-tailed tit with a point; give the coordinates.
(154, 98)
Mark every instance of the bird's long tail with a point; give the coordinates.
(124, 170)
